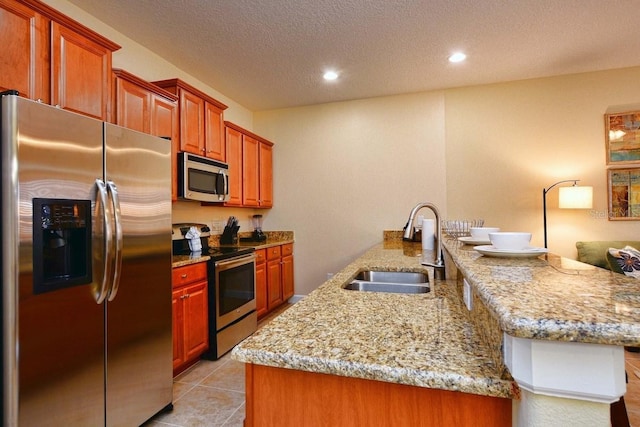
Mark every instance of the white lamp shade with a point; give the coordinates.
(576, 197)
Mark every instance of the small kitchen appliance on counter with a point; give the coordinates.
(258, 235)
(231, 276)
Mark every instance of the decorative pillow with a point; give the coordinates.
(626, 261)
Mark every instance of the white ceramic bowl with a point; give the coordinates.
(482, 233)
(514, 241)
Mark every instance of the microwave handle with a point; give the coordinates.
(225, 176)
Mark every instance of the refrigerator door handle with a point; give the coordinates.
(117, 215)
(101, 200)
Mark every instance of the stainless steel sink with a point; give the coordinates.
(401, 282)
(398, 288)
(392, 276)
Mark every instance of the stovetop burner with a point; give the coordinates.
(223, 252)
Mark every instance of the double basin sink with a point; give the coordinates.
(403, 282)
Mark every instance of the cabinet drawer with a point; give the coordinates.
(273, 252)
(287, 249)
(188, 274)
(261, 256)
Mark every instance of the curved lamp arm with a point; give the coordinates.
(544, 203)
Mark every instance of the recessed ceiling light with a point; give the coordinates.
(330, 75)
(457, 57)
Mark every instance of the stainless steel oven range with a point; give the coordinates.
(231, 292)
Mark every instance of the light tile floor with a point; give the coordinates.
(211, 393)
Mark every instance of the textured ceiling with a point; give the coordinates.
(267, 54)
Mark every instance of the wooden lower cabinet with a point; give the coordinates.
(261, 283)
(287, 271)
(190, 315)
(274, 277)
(288, 397)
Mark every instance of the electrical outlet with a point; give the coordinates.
(217, 226)
(467, 294)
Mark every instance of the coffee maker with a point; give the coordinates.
(258, 235)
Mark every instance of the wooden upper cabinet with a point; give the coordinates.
(49, 56)
(255, 188)
(80, 73)
(24, 63)
(132, 105)
(233, 139)
(214, 132)
(265, 174)
(201, 120)
(191, 123)
(250, 172)
(145, 107)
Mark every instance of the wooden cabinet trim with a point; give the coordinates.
(72, 24)
(120, 73)
(247, 132)
(177, 83)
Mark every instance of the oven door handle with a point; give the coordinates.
(235, 262)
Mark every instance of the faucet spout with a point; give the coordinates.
(408, 234)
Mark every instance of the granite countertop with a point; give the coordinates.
(182, 260)
(274, 238)
(553, 298)
(424, 340)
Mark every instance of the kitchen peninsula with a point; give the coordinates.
(401, 359)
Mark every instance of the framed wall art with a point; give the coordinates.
(622, 136)
(624, 193)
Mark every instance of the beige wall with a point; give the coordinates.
(343, 172)
(506, 142)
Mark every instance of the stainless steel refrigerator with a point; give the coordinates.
(86, 270)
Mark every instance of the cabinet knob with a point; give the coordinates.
(184, 276)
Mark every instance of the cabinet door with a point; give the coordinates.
(261, 289)
(81, 71)
(164, 123)
(24, 37)
(132, 106)
(191, 123)
(178, 336)
(287, 277)
(250, 165)
(274, 284)
(196, 336)
(233, 140)
(214, 132)
(266, 175)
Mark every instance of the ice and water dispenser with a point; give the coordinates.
(61, 244)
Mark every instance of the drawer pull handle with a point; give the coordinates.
(184, 276)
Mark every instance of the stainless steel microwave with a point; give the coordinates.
(202, 179)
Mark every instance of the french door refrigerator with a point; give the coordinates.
(86, 269)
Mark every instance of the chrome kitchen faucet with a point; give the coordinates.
(438, 264)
